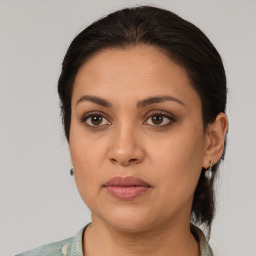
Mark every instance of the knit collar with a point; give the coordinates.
(205, 249)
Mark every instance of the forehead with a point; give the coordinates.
(135, 72)
(149, 59)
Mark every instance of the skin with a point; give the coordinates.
(128, 142)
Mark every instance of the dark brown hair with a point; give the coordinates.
(183, 42)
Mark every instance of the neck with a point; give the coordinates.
(102, 239)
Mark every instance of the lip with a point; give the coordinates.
(126, 188)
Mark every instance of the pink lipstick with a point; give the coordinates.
(126, 188)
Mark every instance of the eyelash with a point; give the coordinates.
(149, 115)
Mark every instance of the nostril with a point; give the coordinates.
(113, 160)
(123, 162)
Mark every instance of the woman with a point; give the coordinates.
(143, 97)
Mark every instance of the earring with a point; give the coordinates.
(72, 171)
(208, 172)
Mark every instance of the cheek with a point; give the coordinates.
(85, 150)
(86, 173)
(179, 163)
(84, 155)
(86, 158)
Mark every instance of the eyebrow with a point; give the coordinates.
(140, 104)
(96, 100)
(157, 99)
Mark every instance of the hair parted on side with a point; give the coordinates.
(182, 42)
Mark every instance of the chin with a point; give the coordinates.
(130, 226)
(128, 220)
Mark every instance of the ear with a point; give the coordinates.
(215, 138)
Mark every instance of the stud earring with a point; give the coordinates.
(208, 172)
(72, 171)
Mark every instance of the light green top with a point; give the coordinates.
(73, 246)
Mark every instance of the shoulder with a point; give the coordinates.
(56, 249)
(69, 247)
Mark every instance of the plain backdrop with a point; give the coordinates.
(39, 202)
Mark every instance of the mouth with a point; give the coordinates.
(126, 188)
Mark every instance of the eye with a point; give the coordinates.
(94, 119)
(159, 118)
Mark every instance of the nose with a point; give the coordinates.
(126, 147)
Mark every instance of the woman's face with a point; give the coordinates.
(135, 114)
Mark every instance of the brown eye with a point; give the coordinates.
(161, 119)
(157, 119)
(94, 120)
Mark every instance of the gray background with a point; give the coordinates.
(38, 199)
